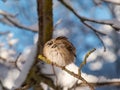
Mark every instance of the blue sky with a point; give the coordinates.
(83, 38)
(27, 15)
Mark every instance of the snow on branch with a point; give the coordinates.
(78, 76)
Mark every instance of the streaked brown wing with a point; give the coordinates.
(61, 37)
(69, 46)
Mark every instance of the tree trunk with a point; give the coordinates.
(45, 24)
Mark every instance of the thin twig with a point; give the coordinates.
(16, 61)
(117, 2)
(78, 77)
(101, 42)
(3, 59)
(4, 33)
(85, 60)
(8, 17)
(95, 30)
(57, 23)
(97, 34)
(19, 25)
(12, 62)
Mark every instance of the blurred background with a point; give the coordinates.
(18, 31)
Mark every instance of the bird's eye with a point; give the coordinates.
(50, 43)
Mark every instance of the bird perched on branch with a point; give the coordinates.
(60, 51)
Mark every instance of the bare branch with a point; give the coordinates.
(9, 18)
(3, 59)
(6, 14)
(117, 2)
(16, 61)
(85, 60)
(98, 2)
(101, 42)
(92, 28)
(57, 23)
(4, 33)
(83, 19)
(97, 34)
(19, 25)
(100, 84)
(78, 76)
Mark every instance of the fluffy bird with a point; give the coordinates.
(60, 51)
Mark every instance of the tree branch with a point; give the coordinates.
(10, 18)
(45, 23)
(98, 84)
(117, 2)
(97, 34)
(83, 19)
(19, 25)
(4, 33)
(78, 76)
